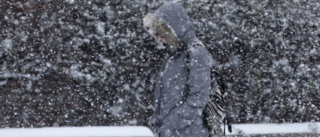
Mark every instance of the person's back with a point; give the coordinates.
(183, 84)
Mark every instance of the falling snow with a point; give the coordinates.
(90, 62)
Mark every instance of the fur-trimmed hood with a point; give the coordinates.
(172, 21)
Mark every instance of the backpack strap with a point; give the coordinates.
(220, 82)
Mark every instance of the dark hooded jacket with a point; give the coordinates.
(183, 84)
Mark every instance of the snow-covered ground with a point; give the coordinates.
(126, 131)
(285, 128)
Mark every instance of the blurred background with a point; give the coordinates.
(89, 62)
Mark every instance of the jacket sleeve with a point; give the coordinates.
(153, 120)
(199, 83)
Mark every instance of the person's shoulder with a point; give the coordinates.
(200, 56)
(198, 48)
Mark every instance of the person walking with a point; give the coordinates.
(183, 83)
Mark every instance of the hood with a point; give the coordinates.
(172, 22)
